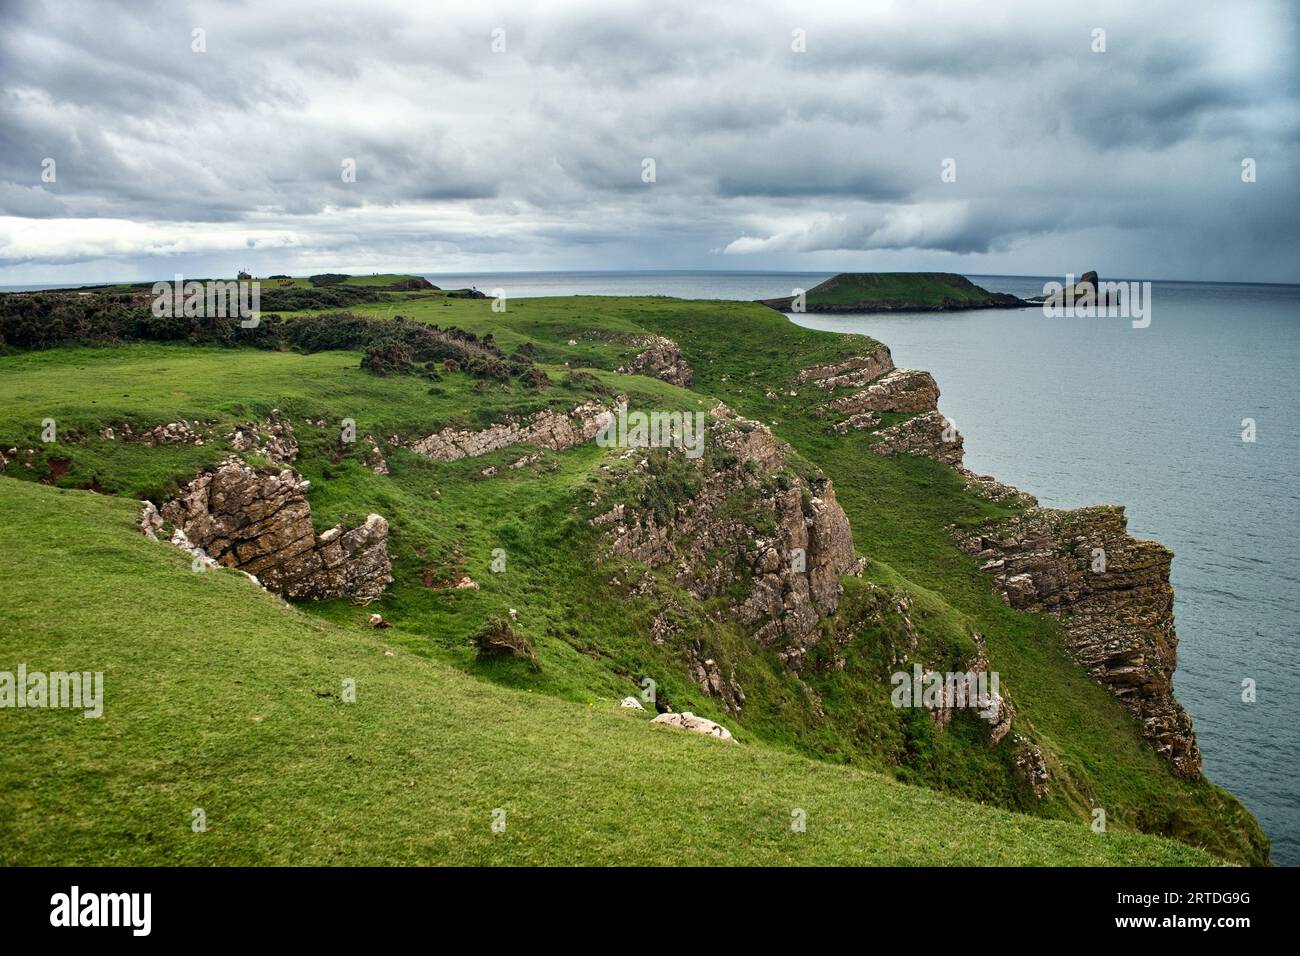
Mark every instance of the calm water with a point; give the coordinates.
(1082, 411)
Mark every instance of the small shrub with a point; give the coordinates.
(496, 638)
(388, 358)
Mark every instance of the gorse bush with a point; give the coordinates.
(299, 299)
(388, 358)
(391, 345)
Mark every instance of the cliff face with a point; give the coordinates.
(260, 523)
(856, 371)
(898, 390)
(1109, 590)
(783, 552)
(1112, 595)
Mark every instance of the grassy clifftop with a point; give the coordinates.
(220, 697)
(84, 587)
(897, 292)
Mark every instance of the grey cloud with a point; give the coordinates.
(532, 157)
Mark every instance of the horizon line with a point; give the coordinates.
(37, 287)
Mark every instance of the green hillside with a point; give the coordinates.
(220, 695)
(897, 292)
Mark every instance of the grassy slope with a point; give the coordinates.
(591, 639)
(221, 697)
(896, 290)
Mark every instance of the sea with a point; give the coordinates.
(1192, 423)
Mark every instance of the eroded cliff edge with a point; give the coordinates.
(1109, 591)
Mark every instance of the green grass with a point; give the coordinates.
(221, 697)
(574, 604)
(896, 291)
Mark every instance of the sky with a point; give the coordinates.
(139, 140)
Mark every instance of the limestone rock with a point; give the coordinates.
(707, 673)
(964, 693)
(856, 371)
(1088, 290)
(373, 458)
(793, 568)
(662, 360)
(700, 725)
(630, 703)
(1032, 765)
(900, 390)
(173, 433)
(151, 521)
(548, 429)
(930, 435)
(989, 487)
(863, 421)
(272, 439)
(260, 523)
(1112, 596)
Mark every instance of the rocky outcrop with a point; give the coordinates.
(926, 436)
(1112, 595)
(852, 372)
(260, 523)
(706, 672)
(791, 569)
(272, 439)
(662, 360)
(1088, 290)
(1032, 765)
(965, 692)
(548, 429)
(899, 390)
(372, 457)
(700, 725)
(863, 421)
(986, 486)
(1110, 591)
(179, 432)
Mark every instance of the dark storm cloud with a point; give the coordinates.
(764, 156)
